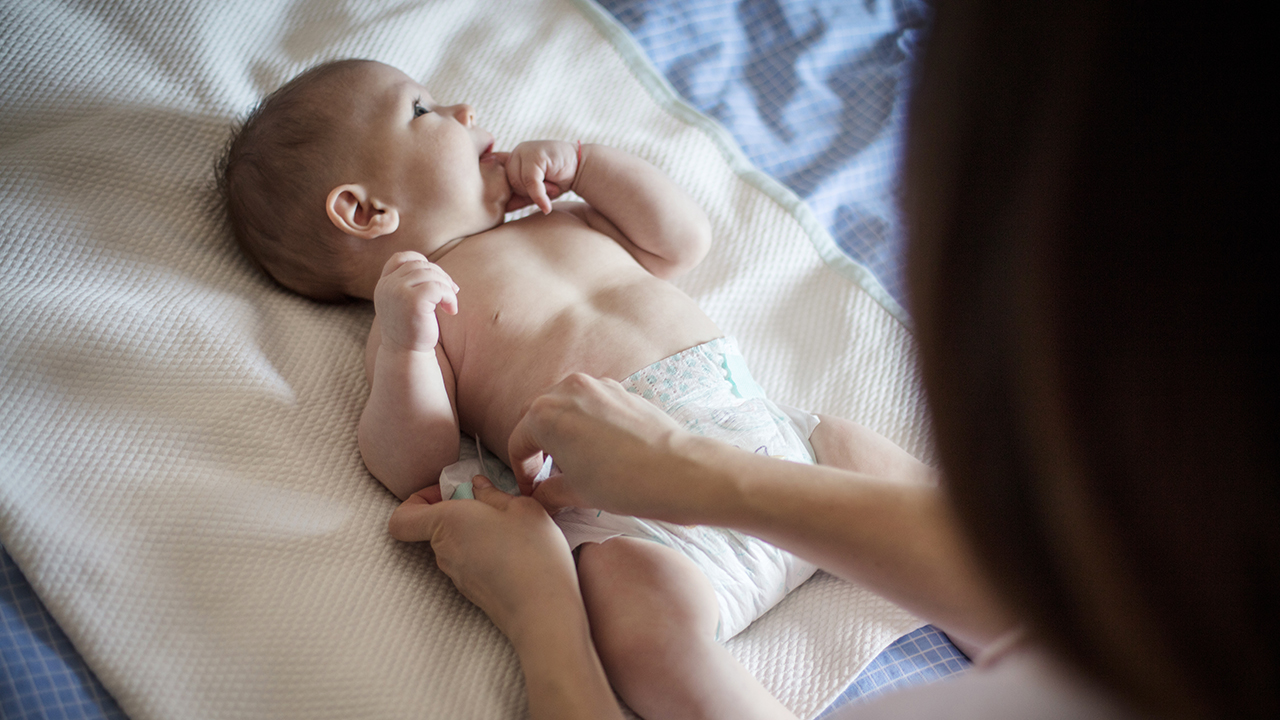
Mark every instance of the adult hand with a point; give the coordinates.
(615, 451)
(506, 555)
(503, 553)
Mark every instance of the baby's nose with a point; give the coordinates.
(465, 114)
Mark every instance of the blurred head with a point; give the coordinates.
(1094, 316)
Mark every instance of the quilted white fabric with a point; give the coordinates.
(179, 476)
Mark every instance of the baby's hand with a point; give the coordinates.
(541, 171)
(406, 298)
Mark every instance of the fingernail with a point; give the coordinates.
(481, 481)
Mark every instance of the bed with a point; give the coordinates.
(181, 501)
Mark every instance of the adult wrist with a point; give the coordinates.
(713, 478)
(555, 613)
(565, 680)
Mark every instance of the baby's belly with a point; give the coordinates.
(511, 360)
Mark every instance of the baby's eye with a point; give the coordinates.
(419, 110)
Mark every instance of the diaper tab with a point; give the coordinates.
(475, 459)
(455, 480)
(736, 372)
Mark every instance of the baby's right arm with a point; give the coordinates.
(409, 430)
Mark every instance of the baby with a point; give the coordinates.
(352, 181)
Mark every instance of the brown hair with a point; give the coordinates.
(275, 173)
(1091, 302)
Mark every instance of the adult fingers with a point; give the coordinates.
(524, 447)
(421, 515)
(553, 494)
(551, 422)
(417, 518)
(485, 492)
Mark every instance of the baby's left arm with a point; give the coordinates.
(630, 200)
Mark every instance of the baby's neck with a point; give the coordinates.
(445, 248)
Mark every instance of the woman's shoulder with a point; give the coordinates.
(1022, 685)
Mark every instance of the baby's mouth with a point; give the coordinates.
(488, 152)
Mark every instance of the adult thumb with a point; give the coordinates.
(485, 492)
(553, 494)
(415, 520)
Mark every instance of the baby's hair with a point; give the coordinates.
(275, 173)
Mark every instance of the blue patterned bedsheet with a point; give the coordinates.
(813, 91)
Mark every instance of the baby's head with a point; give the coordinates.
(275, 172)
(348, 163)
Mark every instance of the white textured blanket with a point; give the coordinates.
(179, 476)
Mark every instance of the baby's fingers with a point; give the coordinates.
(526, 175)
(400, 259)
(537, 191)
(416, 272)
(439, 292)
(408, 265)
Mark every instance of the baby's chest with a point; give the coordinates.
(518, 285)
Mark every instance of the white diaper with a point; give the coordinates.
(709, 391)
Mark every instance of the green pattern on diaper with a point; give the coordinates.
(744, 386)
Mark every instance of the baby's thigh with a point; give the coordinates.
(633, 585)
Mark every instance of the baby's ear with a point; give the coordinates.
(355, 213)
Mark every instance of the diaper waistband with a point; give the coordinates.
(699, 367)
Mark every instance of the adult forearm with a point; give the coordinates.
(507, 556)
(562, 673)
(899, 540)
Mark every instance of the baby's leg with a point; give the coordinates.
(653, 618)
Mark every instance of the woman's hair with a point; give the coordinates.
(1090, 288)
(275, 173)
